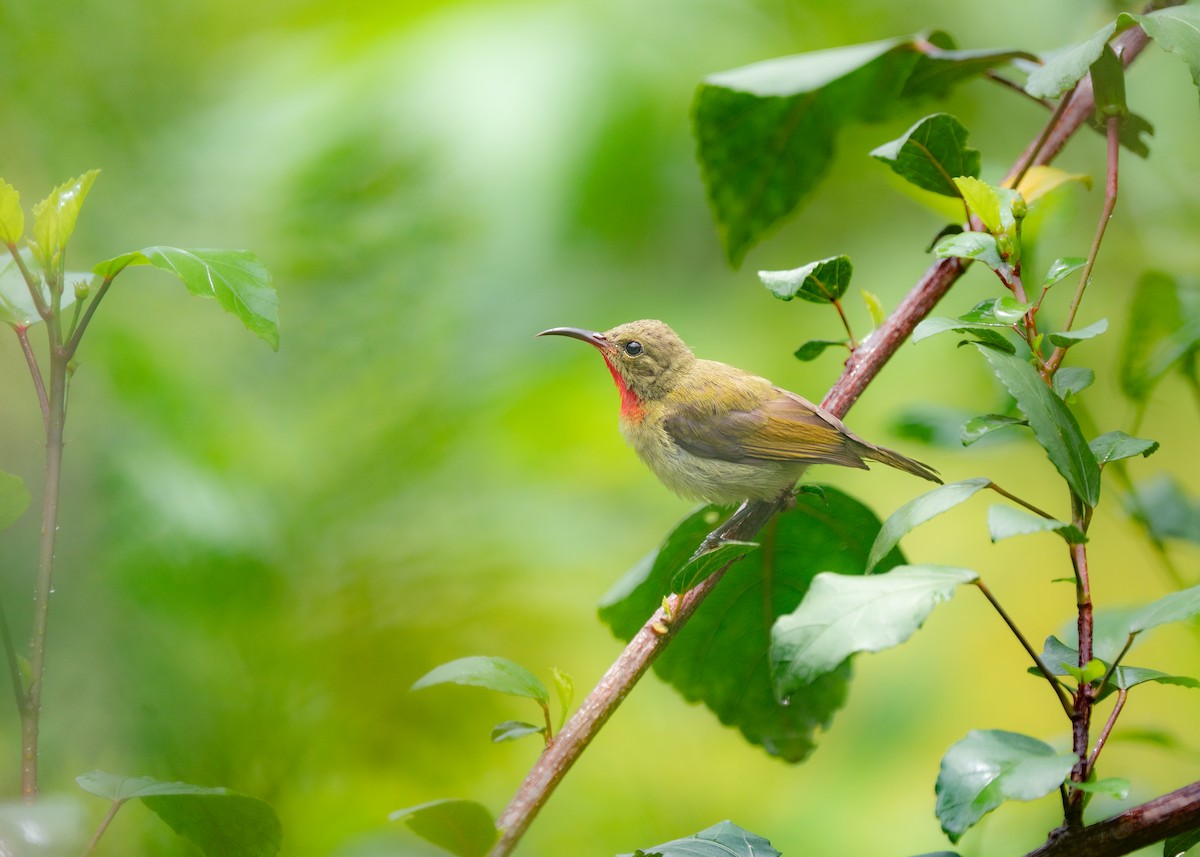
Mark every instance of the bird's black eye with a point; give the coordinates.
(633, 348)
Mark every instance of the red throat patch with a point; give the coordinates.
(631, 405)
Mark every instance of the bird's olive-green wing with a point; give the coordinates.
(783, 428)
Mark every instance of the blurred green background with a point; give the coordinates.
(260, 552)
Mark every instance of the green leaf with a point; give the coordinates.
(766, 132)
(1165, 509)
(814, 348)
(498, 674)
(14, 499)
(1005, 522)
(1061, 659)
(983, 319)
(971, 246)
(12, 217)
(511, 730)
(1108, 84)
(462, 827)
(916, 512)
(1067, 338)
(700, 567)
(843, 615)
(219, 822)
(236, 278)
(1163, 330)
(1178, 846)
(823, 281)
(989, 767)
(931, 154)
(1061, 269)
(874, 307)
(721, 840)
(978, 427)
(1175, 607)
(1176, 29)
(1053, 425)
(983, 201)
(1115, 445)
(54, 219)
(1041, 180)
(564, 688)
(1067, 67)
(1114, 787)
(1070, 380)
(720, 656)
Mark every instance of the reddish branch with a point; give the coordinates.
(1152, 821)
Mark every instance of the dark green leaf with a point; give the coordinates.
(12, 216)
(236, 278)
(721, 840)
(1114, 787)
(976, 428)
(14, 499)
(843, 615)
(699, 568)
(1164, 328)
(814, 348)
(1175, 607)
(985, 332)
(1115, 445)
(989, 767)
(1176, 29)
(1067, 67)
(54, 219)
(972, 246)
(1067, 338)
(462, 827)
(498, 674)
(1070, 380)
(1177, 846)
(916, 512)
(720, 657)
(823, 281)
(931, 154)
(219, 822)
(511, 730)
(1165, 509)
(1061, 659)
(766, 132)
(1053, 425)
(1108, 84)
(1005, 522)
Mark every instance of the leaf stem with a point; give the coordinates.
(36, 372)
(1019, 501)
(104, 823)
(1106, 212)
(1063, 699)
(1122, 695)
(32, 282)
(77, 334)
(837, 304)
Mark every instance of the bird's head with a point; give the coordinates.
(647, 359)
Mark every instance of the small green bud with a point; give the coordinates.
(82, 289)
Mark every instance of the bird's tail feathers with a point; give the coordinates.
(903, 462)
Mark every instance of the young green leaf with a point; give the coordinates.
(1053, 424)
(1061, 660)
(12, 217)
(14, 499)
(989, 767)
(236, 278)
(1005, 522)
(219, 822)
(462, 827)
(814, 348)
(823, 281)
(1113, 787)
(973, 246)
(1115, 445)
(1070, 380)
(1067, 67)
(721, 840)
(498, 674)
(54, 220)
(843, 615)
(978, 427)
(1040, 180)
(1067, 338)
(931, 154)
(564, 688)
(720, 658)
(1175, 607)
(874, 307)
(1108, 84)
(1061, 269)
(983, 201)
(511, 730)
(916, 512)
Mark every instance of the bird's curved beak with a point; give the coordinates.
(591, 337)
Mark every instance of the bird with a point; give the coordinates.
(715, 433)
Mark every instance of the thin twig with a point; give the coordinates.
(35, 371)
(1019, 501)
(104, 823)
(1122, 695)
(77, 334)
(31, 281)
